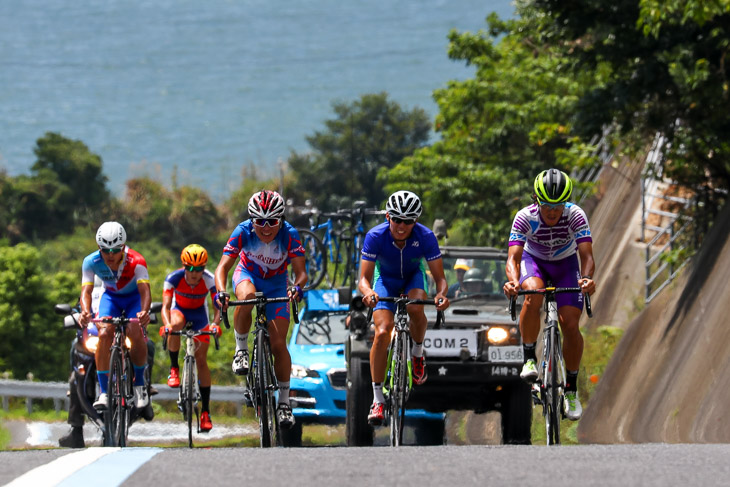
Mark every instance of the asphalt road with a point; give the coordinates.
(584, 465)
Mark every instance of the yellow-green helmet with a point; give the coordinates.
(553, 186)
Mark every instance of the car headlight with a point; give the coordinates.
(301, 372)
(497, 335)
(91, 343)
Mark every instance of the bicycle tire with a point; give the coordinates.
(189, 395)
(116, 394)
(264, 384)
(399, 390)
(552, 410)
(315, 256)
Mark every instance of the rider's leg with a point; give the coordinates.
(530, 313)
(106, 337)
(278, 329)
(201, 361)
(242, 314)
(419, 323)
(383, 320)
(177, 322)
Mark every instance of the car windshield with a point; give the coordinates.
(322, 328)
(475, 276)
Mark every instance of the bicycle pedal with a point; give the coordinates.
(247, 398)
(536, 394)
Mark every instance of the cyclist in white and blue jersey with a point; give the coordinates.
(547, 240)
(392, 264)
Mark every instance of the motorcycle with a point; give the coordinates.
(84, 382)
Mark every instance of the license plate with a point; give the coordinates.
(505, 354)
(449, 343)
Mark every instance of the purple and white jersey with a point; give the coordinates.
(550, 243)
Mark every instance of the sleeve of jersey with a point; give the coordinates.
(87, 273)
(140, 271)
(431, 250)
(369, 248)
(520, 230)
(296, 249)
(168, 287)
(578, 223)
(209, 280)
(235, 242)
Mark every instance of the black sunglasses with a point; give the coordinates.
(262, 222)
(407, 221)
(195, 268)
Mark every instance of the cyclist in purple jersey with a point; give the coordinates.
(545, 243)
(266, 245)
(391, 265)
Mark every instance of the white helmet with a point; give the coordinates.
(404, 204)
(111, 235)
(266, 204)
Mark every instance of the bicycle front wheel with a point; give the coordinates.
(189, 396)
(399, 390)
(266, 406)
(315, 258)
(551, 406)
(114, 418)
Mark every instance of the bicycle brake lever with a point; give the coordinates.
(589, 308)
(512, 306)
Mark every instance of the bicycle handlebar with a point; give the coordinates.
(185, 330)
(549, 291)
(405, 299)
(262, 300)
(115, 321)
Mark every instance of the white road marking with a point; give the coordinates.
(54, 472)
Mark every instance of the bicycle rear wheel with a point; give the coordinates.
(315, 258)
(399, 390)
(266, 405)
(189, 395)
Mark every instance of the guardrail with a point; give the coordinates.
(58, 391)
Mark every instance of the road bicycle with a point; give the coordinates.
(399, 372)
(120, 408)
(549, 388)
(189, 391)
(333, 246)
(261, 383)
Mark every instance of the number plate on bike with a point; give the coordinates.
(505, 354)
(449, 343)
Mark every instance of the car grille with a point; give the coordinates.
(338, 378)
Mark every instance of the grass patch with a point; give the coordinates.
(598, 348)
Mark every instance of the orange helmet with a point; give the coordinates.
(194, 255)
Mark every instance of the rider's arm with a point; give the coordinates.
(298, 265)
(85, 301)
(145, 302)
(166, 308)
(512, 269)
(367, 270)
(442, 286)
(587, 267)
(221, 272)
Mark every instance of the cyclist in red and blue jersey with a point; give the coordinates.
(183, 300)
(126, 283)
(392, 264)
(264, 245)
(545, 243)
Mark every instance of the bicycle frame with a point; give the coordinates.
(189, 392)
(399, 372)
(261, 382)
(549, 388)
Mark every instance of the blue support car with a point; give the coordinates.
(318, 388)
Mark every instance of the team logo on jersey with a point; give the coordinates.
(415, 243)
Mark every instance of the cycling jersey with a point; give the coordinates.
(264, 259)
(184, 296)
(392, 261)
(550, 242)
(132, 270)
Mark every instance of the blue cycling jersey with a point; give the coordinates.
(394, 262)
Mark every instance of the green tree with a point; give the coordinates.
(365, 136)
(32, 338)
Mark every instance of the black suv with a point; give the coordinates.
(473, 360)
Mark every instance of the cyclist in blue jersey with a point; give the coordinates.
(545, 243)
(126, 283)
(392, 264)
(265, 245)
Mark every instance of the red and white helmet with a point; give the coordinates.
(266, 204)
(404, 204)
(111, 235)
